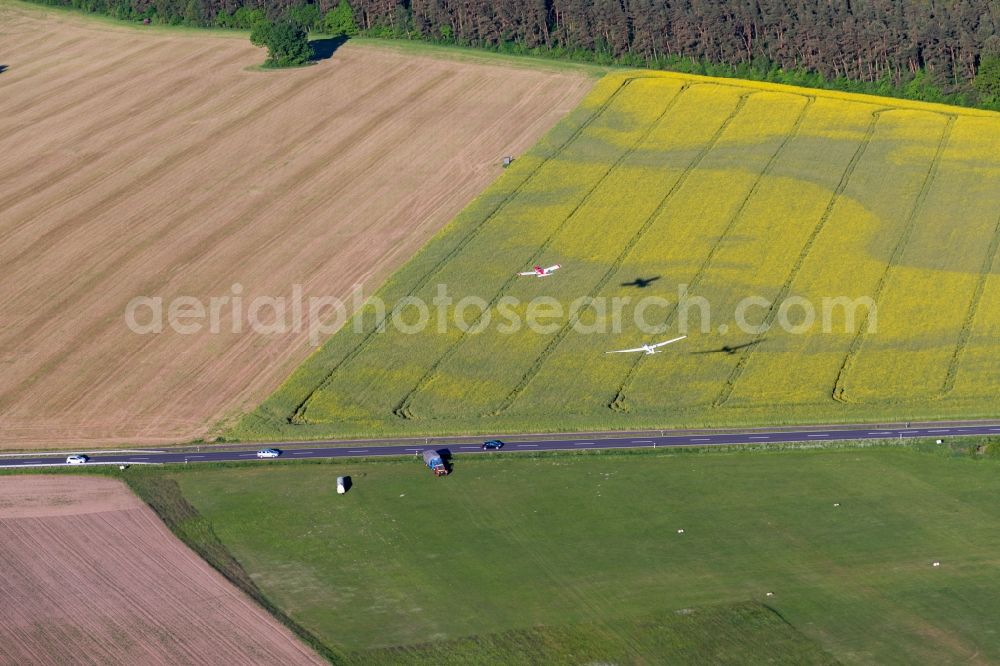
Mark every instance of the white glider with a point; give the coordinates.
(649, 349)
(538, 271)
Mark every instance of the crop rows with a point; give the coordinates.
(422, 282)
(618, 402)
(729, 190)
(840, 388)
(476, 272)
(403, 409)
(970, 316)
(644, 192)
(616, 265)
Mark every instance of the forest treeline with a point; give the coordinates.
(925, 49)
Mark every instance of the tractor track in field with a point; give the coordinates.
(737, 372)
(636, 238)
(42, 63)
(106, 124)
(970, 316)
(84, 79)
(619, 402)
(123, 86)
(840, 384)
(149, 177)
(298, 415)
(14, 40)
(402, 410)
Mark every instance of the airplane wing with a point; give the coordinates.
(528, 273)
(552, 268)
(625, 351)
(661, 344)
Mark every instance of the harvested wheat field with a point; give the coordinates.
(160, 164)
(91, 575)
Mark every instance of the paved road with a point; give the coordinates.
(299, 451)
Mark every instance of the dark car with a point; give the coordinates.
(492, 445)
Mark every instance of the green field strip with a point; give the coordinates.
(840, 384)
(616, 265)
(299, 413)
(970, 316)
(747, 354)
(619, 401)
(403, 409)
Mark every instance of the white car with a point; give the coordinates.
(268, 453)
(76, 459)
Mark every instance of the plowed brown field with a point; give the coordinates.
(157, 164)
(91, 575)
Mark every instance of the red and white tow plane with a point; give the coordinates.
(538, 271)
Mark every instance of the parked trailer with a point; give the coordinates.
(434, 461)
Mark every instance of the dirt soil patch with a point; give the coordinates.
(91, 575)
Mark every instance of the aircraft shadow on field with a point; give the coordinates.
(323, 49)
(730, 350)
(641, 282)
(3, 68)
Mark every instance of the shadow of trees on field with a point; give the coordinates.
(323, 49)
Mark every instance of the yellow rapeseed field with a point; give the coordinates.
(831, 257)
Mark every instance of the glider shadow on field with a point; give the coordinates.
(3, 68)
(323, 49)
(641, 282)
(730, 350)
